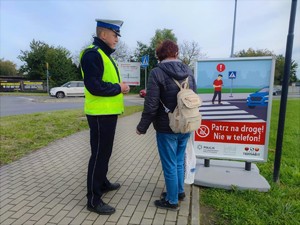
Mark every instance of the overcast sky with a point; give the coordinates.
(260, 24)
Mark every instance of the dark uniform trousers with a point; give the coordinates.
(102, 133)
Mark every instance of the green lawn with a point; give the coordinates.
(22, 134)
(281, 205)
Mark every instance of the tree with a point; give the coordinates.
(279, 70)
(61, 67)
(7, 68)
(122, 53)
(189, 52)
(143, 49)
(160, 36)
(279, 67)
(35, 60)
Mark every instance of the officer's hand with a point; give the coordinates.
(124, 88)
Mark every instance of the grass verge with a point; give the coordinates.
(22, 134)
(281, 205)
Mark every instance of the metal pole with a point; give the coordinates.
(233, 32)
(47, 66)
(285, 87)
(248, 166)
(47, 82)
(146, 78)
(231, 89)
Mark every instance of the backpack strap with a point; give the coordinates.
(167, 110)
(184, 84)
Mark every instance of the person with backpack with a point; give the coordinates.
(162, 93)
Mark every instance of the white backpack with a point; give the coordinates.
(186, 117)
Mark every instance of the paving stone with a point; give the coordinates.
(48, 186)
(129, 210)
(123, 220)
(146, 222)
(59, 216)
(44, 220)
(5, 208)
(159, 219)
(116, 216)
(21, 212)
(182, 220)
(79, 218)
(123, 204)
(142, 206)
(150, 212)
(39, 214)
(56, 209)
(136, 218)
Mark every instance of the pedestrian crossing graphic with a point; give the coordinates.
(226, 112)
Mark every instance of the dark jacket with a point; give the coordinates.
(93, 68)
(161, 87)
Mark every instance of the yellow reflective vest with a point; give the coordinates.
(104, 105)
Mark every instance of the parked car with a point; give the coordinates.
(72, 88)
(276, 91)
(258, 98)
(143, 93)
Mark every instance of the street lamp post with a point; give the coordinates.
(233, 32)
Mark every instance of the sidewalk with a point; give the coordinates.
(49, 185)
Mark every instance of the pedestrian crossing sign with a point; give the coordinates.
(232, 74)
(145, 61)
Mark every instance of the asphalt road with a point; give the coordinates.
(16, 105)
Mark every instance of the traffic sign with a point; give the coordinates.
(232, 74)
(145, 61)
(221, 67)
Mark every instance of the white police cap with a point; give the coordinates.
(113, 25)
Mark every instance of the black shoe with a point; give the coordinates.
(212, 103)
(163, 204)
(102, 209)
(111, 187)
(181, 196)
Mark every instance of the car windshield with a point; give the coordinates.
(264, 90)
(66, 84)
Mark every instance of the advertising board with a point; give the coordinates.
(130, 72)
(236, 109)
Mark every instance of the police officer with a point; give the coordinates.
(104, 91)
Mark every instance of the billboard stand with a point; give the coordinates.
(236, 127)
(247, 164)
(230, 175)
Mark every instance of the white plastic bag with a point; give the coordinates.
(190, 162)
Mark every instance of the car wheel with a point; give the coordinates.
(60, 95)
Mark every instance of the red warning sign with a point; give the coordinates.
(221, 67)
(232, 132)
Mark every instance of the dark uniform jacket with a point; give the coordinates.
(161, 87)
(92, 65)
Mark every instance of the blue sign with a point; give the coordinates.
(232, 74)
(145, 61)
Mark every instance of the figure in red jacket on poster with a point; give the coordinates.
(218, 89)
